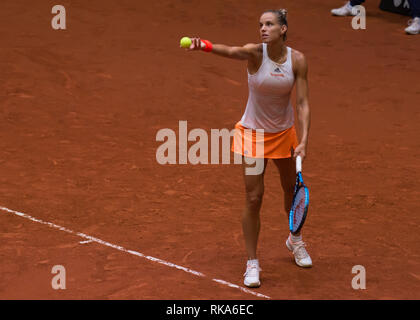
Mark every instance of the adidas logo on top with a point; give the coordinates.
(278, 73)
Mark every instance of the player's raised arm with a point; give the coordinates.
(245, 52)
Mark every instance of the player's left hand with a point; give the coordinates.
(300, 151)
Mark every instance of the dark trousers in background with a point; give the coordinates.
(414, 6)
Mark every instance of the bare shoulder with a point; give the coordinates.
(254, 48)
(299, 61)
(254, 52)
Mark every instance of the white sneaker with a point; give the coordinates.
(345, 10)
(302, 257)
(252, 274)
(414, 26)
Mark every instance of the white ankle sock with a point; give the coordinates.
(295, 238)
(253, 261)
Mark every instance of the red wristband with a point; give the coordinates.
(208, 47)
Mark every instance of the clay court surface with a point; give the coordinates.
(79, 112)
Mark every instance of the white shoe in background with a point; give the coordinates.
(345, 10)
(414, 26)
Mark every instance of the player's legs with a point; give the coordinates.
(254, 188)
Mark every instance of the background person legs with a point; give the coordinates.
(414, 24)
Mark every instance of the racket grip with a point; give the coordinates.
(298, 164)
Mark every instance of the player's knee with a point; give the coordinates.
(254, 199)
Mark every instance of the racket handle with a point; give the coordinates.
(298, 164)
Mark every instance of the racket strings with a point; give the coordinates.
(298, 208)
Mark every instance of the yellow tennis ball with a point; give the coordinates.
(185, 42)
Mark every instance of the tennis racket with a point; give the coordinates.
(300, 201)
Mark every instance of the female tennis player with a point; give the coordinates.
(273, 70)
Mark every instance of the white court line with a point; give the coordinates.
(85, 242)
(139, 254)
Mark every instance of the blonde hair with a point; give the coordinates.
(281, 18)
